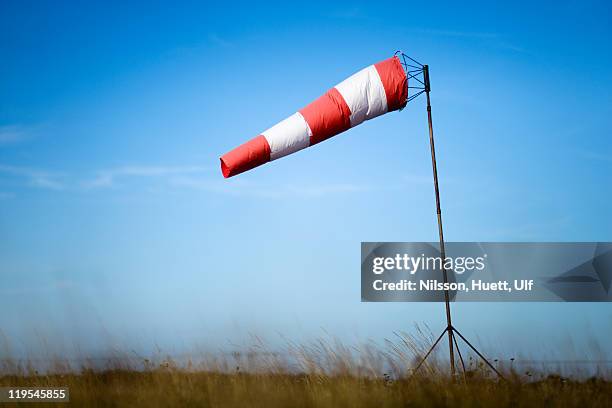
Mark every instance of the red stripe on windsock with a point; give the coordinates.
(251, 154)
(327, 116)
(394, 81)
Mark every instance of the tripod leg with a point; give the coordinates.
(479, 355)
(459, 353)
(429, 352)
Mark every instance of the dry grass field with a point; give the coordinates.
(173, 387)
(322, 374)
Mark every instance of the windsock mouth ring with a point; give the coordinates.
(224, 168)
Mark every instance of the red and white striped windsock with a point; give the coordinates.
(377, 89)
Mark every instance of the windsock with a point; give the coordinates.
(371, 92)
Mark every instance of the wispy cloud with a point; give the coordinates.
(596, 156)
(245, 188)
(54, 286)
(35, 177)
(219, 41)
(110, 177)
(192, 177)
(13, 134)
(107, 178)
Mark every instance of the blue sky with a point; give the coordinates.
(118, 228)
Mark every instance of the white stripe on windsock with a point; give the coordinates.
(288, 136)
(364, 94)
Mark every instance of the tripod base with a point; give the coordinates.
(452, 331)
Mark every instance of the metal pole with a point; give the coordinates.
(428, 352)
(479, 355)
(459, 353)
(449, 325)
